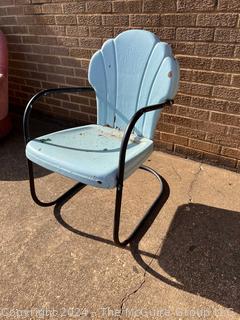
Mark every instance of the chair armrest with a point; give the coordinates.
(126, 136)
(46, 92)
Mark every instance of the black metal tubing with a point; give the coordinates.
(121, 169)
(43, 93)
(157, 204)
(68, 194)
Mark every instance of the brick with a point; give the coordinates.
(227, 35)
(211, 77)
(225, 140)
(194, 34)
(74, 7)
(56, 78)
(98, 6)
(220, 50)
(165, 127)
(188, 152)
(195, 88)
(40, 49)
(6, 3)
(226, 93)
(37, 30)
(165, 34)
(235, 80)
(88, 110)
(51, 59)
(205, 146)
(47, 40)
(33, 9)
(193, 113)
(227, 162)
(68, 42)
(225, 119)
(66, 19)
(159, 6)
(8, 20)
(89, 20)
(45, 20)
(80, 53)
(184, 100)
(61, 51)
(217, 20)
(106, 32)
(237, 52)
(186, 75)
(22, 2)
(238, 166)
(56, 30)
(26, 20)
(229, 5)
(80, 116)
(234, 132)
(225, 65)
(210, 104)
(16, 10)
(91, 43)
(234, 153)
(80, 100)
(163, 146)
(52, 8)
(78, 31)
(234, 107)
(64, 70)
(183, 48)
(174, 138)
(14, 39)
(194, 62)
(115, 20)
(190, 133)
(70, 62)
(127, 6)
(177, 20)
(200, 5)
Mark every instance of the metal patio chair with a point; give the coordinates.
(134, 76)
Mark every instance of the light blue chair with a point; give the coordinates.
(134, 76)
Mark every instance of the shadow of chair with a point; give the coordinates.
(13, 165)
(200, 250)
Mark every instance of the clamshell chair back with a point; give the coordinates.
(131, 71)
(134, 76)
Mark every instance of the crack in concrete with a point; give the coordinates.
(128, 295)
(177, 174)
(194, 180)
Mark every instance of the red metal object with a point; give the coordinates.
(5, 123)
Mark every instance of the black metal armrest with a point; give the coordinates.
(46, 92)
(127, 134)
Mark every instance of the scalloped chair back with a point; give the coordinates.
(131, 71)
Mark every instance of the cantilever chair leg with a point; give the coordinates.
(66, 196)
(157, 205)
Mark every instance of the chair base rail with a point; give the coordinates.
(141, 226)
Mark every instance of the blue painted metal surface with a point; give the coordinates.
(89, 154)
(131, 71)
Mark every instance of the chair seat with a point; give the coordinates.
(89, 154)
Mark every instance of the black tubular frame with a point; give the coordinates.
(157, 204)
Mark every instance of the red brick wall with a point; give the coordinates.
(51, 41)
